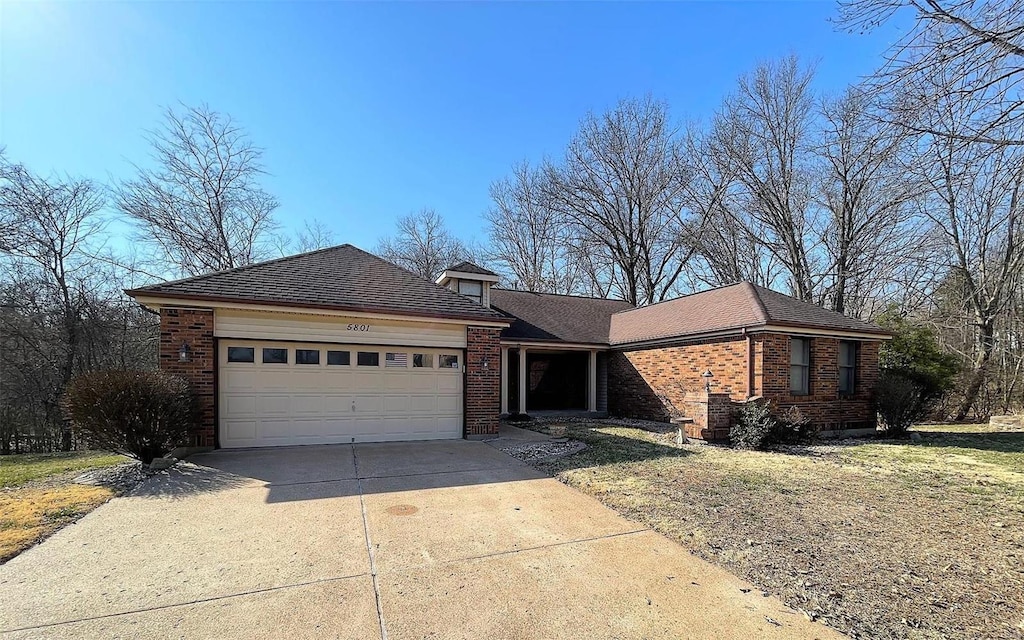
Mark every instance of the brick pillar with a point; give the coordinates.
(483, 381)
(193, 327)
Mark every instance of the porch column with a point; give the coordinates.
(522, 380)
(504, 380)
(592, 382)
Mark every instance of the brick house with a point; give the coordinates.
(339, 346)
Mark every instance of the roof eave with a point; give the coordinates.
(145, 293)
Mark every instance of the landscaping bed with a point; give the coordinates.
(41, 493)
(878, 539)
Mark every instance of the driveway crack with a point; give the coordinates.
(369, 547)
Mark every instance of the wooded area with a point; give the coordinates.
(902, 195)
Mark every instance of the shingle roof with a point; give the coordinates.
(343, 278)
(737, 306)
(469, 267)
(551, 317)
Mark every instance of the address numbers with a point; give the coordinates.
(358, 327)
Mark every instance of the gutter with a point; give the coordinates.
(252, 303)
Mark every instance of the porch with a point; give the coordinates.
(562, 380)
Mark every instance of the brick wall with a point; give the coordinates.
(195, 328)
(824, 406)
(483, 381)
(643, 384)
(636, 379)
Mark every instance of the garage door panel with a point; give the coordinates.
(449, 383)
(449, 405)
(282, 404)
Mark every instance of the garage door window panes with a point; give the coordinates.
(368, 359)
(275, 356)
(241, 354)
(448, 361)
(396, 360)
(338, 358)
(307, 356)
(422, 361)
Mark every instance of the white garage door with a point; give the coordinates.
(274, 393)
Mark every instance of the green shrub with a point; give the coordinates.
(755, 427)
(901, 400)
(143, 414)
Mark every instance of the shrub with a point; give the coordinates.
(794, 427)
(901, 400)
(143, 414)
(755, 427)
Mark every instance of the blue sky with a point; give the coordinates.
(370, 111)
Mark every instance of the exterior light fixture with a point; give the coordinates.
(183, 352)
(707, 375)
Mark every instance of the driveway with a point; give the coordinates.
(448, 539)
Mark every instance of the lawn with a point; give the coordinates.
(921, 539)
(37, 496)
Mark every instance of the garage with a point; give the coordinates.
(287, 393)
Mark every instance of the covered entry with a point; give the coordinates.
(537, 380)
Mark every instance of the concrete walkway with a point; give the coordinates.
(445, 539)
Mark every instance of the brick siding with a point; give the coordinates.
(824, 405)
(483, 381)
(654, 384)
(195, 328)
(636, 379)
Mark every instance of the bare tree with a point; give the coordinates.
(868, 196)
(764, 137)
(621, 185)
(44, 255)
(530, 240)
(201, 207)
(423, 245)
(315, 234)
(976, 202)
(725, 252)
(955, 49)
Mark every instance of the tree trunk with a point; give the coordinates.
(984, 344)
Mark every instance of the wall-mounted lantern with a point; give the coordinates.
(183, 352)
(707, 375)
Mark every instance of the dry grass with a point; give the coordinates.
(29, 515)
(881, 540)
(37, 497)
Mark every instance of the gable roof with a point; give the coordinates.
(739, 306)
(341, 278)
(469, 267)
(556, 318)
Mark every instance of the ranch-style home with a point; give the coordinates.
(340, 346)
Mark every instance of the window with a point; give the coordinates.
(448, 362)
(396, 360)
(847, 366)
(422, 361)
(472, 289)
(338, 358)
(368, 359)
(241, 354)
(275, 356)
(800, 366)
(307, 356)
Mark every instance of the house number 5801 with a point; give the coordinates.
(358, 327)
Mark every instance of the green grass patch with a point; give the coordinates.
(16, 470)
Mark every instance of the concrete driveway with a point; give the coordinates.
(446, 539)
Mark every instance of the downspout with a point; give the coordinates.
(750, 363)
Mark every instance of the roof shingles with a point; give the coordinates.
(343, 277)
(548, 317)
(742, 305)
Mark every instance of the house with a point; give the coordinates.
(339, 345)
